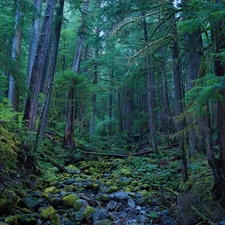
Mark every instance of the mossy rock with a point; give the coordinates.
(79, 204)
(112, 189)
(50, 190)
(72, 169)
(69, 200)
(126, 173)
(103, 222)
(2, 223)
(13, 219)
(88, 212)
(48, 212)
(55, 219)
(104, 197)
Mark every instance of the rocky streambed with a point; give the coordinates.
(98, 193)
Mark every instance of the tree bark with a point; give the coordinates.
(51, 72)
(13, 94)
(34, 34)
(179, 122)
(70, 108)
(31, 105)
(149, 87)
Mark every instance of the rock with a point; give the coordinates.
(50, 190)
(103, 222)
(2, 223)
(222, 222)
(69, 200)
(165, 213)
(55, 219)
(30, 221)
(12, 220)
(100, 214)
(88, 212)
(29, 202)
(48, 212)
(121, 195)
(104, 197)
(72, 169)
(79, 215)
(55, 201)
(69, 181)
(111, 205)
(131, 203)
(80, 203)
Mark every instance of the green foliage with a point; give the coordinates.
(206, 90)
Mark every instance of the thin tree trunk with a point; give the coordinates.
(165, 103)
(149, 87)
(13, 94)
(178, 102)
(95, 80)
(31, 105)
(70, 108)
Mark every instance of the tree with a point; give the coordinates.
(51, 72)
(16, 49)
(179, 123)
(70, 108)
(149, 88)
(31, 105)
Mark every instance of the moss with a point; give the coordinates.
(88, 212)
(9, 148)
(79, 204)
(48, 212)
(55, 219)
(51, 190)
(112, 189)
(69, 200)
(126, 172)
(72, 169)
(12, 220)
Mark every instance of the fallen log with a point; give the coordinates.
(118, 155)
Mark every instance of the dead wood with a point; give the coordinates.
(118, 155)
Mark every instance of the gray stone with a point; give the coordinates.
(111, 205)
(29, 202)
(103, 222)
(131, 203)
(121, 195)
(100, 214)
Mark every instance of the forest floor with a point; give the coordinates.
(103, 190)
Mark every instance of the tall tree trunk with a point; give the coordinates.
(13, 94)
(111, 104)
(34, 34)
(51, 71)
(218, 37)
(30, 111)
(70, 108)
(149, 87)
(219, 180)
(95, 80)
(179, 123)
(165, 103)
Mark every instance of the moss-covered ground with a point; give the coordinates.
(157, 178)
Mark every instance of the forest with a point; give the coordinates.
(112, 112)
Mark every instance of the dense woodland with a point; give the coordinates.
(116, 76)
